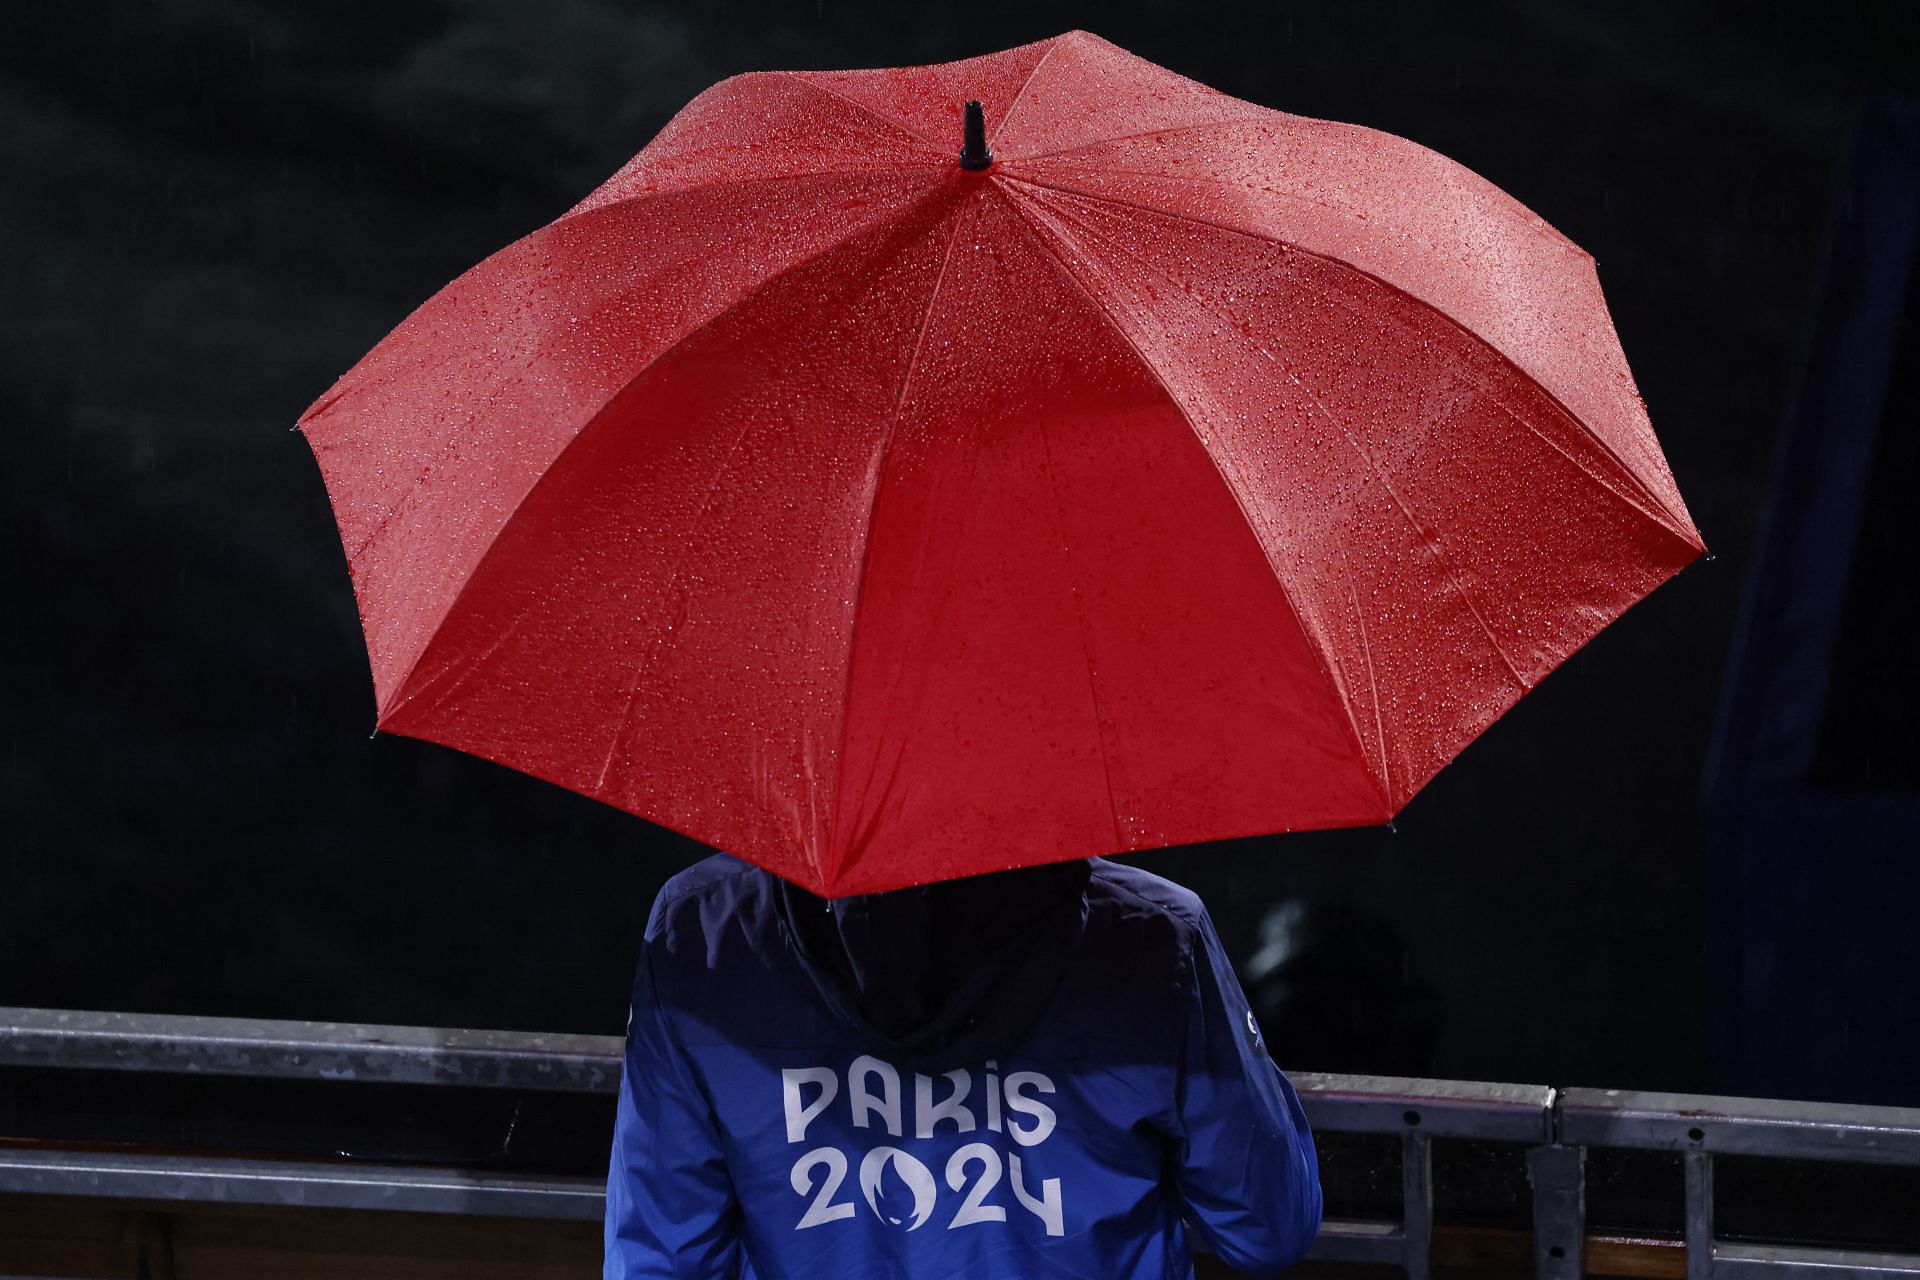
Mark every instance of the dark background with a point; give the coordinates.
(208, 211)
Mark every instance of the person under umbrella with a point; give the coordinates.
(1155, 468)
(1048, 1071)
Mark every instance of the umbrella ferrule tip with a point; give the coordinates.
(974, 155)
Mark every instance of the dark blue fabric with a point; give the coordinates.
(945, 973)
(1094, 1087)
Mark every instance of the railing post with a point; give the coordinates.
(1416, 1194)
(1559, 1177)
(1699, 1215)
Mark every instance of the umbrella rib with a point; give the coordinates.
(1531, 220)
(584, 208)
(1373, 681)
(1648, 498)
(465, 669)
(873, 505)
(1020, 93)
(1420, 527)
(645, 664)
(1086, 651)
(1334, 677)
(746, 296)
(451, 447)
(898, 126)
(1254, 114)
(1069, 155)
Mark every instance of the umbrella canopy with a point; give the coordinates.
(1162, 468)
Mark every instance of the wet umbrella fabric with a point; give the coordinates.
(1191, 470)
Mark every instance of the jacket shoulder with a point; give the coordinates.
(1144, 898)
(1145, 926)
(720, 883)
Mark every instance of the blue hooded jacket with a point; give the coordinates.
(1049, 1072)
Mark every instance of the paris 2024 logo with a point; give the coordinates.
(870, 1099)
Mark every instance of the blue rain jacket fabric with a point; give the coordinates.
(1050, 1072)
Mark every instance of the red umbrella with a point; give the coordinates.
(881, 514)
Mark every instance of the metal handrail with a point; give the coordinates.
(1740, 1126)
(1557, 1126)
(94, 1041)
(302, 1184)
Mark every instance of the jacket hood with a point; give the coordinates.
(943, 973)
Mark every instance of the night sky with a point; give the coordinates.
(209, 211)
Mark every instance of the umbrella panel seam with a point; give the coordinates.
(1650, 499)
(806, 78)
(1021, 93)
(1326, 663)
(1254, 113)
(1070, 156)
(1086, 651)
(866, 546)
(584, 208)
(748, 295)
(451, 448)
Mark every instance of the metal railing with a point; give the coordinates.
(1557, 1126)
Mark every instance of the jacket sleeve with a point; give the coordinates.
(671, 1210)
(1243, 1158)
